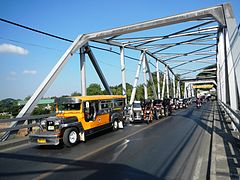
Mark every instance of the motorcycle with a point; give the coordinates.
(147, 116)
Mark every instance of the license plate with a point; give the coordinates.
(41, 141)
(50, 128)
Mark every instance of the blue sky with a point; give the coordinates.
(23, 71)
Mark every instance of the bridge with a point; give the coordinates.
(191, 144)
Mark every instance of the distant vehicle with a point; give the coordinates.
(175, 104)
(194, 99)
(167, 107)
(180, 103)
(198, 103)
(80, 116)
(147, 111)
(185, 103)
(136, 112)
(158, 108)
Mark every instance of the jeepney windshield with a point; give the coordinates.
(137, 105)
(68, 104)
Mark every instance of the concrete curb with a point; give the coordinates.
(213, 153)
(13, 143)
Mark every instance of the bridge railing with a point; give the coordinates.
(233, 115)
(27, 122)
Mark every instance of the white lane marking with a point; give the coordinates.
(119, 150)
(197, 169)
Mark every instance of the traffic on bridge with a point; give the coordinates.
(177, 117)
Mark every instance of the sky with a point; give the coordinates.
(27, 57)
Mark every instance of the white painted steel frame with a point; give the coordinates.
(81, 40)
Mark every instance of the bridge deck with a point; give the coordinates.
(177, 147)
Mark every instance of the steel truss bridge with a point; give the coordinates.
(199, 39)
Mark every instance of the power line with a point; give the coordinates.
(35, 30)
(57, 37)
(30, 44)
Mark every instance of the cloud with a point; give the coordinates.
(10, 48)
(30, 72)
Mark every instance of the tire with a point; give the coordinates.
(115, 125)
(70, 137)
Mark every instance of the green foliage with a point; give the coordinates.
(75, 93)
(139, 92)
(5, 116)
(208, 73)
(40, 110)
(94, 89)
(10, 106)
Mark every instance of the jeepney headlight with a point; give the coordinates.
(58, 122)
(43, 122)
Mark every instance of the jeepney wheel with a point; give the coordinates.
(70, 137)
(115, 125)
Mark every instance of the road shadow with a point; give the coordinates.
(231, 145)
(74, 169)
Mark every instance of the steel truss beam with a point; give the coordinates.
(150, 77)
(182, 42)
(136, 78)
(189, 53)
(98, 69)
(172, 35)
(193, 60)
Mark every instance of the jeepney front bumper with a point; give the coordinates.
(45, 138)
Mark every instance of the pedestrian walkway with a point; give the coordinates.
(225, 160)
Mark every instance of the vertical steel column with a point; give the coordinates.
(158, 80)
(145, 76)
(177, 93)
(167, 81)
(185, 90)
(98, 69)
(179, 89)
(232, 38)
(124, 88)
(192, 91)
(189, 90)
(136, 79)
(174, 88)
(221, 67)
(164, 81)
(226, 67)
(231, 76)
(150, 77)
(83, 72)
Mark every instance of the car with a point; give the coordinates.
(136, 112)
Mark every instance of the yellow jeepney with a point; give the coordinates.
(80, 116)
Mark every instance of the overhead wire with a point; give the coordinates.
(55, 36)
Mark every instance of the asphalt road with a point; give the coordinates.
(176, 147)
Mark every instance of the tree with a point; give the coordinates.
(94, 89)
(27, 98)
(140, 92)
(75, 93)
